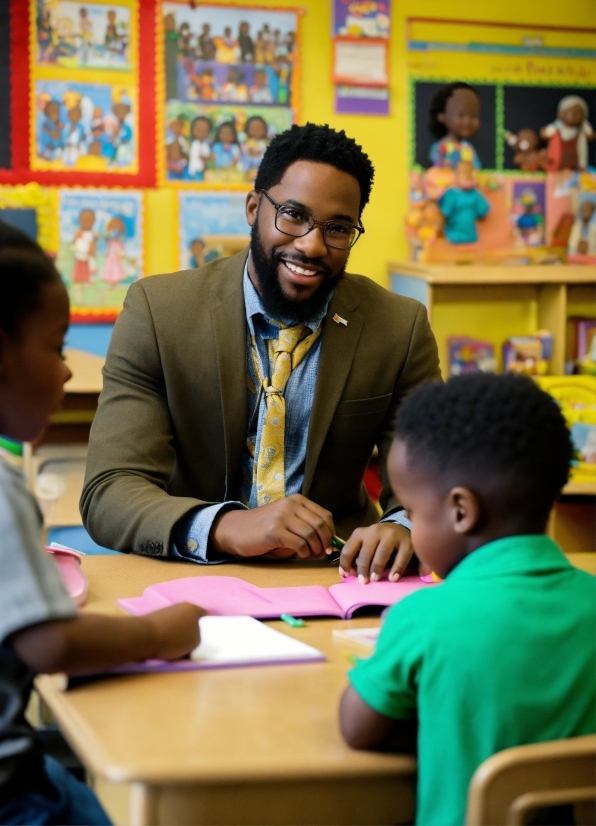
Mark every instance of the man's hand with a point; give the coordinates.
(290, 527)
(368, 550)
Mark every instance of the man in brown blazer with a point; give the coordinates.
(242, 400)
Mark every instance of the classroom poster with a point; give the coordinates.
(211, 225)
(361, 30)
(100, 251)
(84, 86)
(230, 83)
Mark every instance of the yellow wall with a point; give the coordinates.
(385, 139)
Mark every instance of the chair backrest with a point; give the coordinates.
(513, 783)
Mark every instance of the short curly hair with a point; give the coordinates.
(319, 143)
(438, 104)
(488, 427)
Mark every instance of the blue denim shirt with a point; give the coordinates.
(191, 535)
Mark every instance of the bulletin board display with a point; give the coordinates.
(520, 73)
(84, 78)
(228, 79)
(210, 225)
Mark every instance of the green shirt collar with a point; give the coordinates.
(533, 553)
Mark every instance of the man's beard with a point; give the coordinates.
(273, 298)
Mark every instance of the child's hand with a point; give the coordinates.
(176, 630)
(368, 550)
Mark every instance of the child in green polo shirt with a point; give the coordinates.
(502, 653)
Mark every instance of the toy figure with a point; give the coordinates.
(84, 245)
(51, 138)
(234, 89)
(228, 50)
(462, 205)
(206, 44)
(113, 269)
(65, 44)
(85, 34)
(255, 144)
(529, 157)
(568, 135)
(260, 91)
(582, 238)
(454, 120)
(203, 85)
(226, 151)
(528, 223)
(45, 33)
(122, 137)
(245, 42)
(197, 253)
(200, 147)
(176, 149)
(74, 134)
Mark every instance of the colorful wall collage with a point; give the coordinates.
(129, 96)
(521, 75)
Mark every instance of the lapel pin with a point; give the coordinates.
(339, 320)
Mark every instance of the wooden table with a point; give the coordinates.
(251, 745)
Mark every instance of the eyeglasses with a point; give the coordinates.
(341, 235)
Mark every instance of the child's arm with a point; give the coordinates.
(96, 642)
(362, 726)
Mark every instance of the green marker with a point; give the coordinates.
(337, 543)
(294, 622)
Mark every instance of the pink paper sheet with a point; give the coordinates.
(231, 596)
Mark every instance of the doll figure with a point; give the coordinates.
(235, 89)
(113, 269)
(122, 137)
(84, 245)
(177, 149)
(568, 135)
(225, 151)
(228, 50)
(74, 134)
(529, 157)
(462, 205)
(528, 223)
(85, 34)
(260, 91)
(203, 85)
(582, 238)
(454, 120)
(51, 138)
(200, 147)
(254, 146)
(205, 43)
(245, 43)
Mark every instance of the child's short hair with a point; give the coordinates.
(484, 426)
(24, 270)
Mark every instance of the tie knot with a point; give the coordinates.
(288, 338)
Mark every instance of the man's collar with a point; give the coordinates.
(527, 554)
(254, 306)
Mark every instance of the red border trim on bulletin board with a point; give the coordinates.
(19, 109)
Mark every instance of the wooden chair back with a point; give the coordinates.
(510, 785)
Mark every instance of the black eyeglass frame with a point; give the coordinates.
(313, 223)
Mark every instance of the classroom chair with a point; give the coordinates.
(508, 787)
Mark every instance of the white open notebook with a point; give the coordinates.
(227, 641)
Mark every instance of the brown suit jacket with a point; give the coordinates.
(172, 418)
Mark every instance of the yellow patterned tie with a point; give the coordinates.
(285, 354)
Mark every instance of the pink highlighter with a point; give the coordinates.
(69, 565)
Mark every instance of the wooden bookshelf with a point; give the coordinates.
(492, 303)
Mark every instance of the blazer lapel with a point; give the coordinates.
(338, 348)
(229, 324)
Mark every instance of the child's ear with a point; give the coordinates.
(465, 510)
(441, 117)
